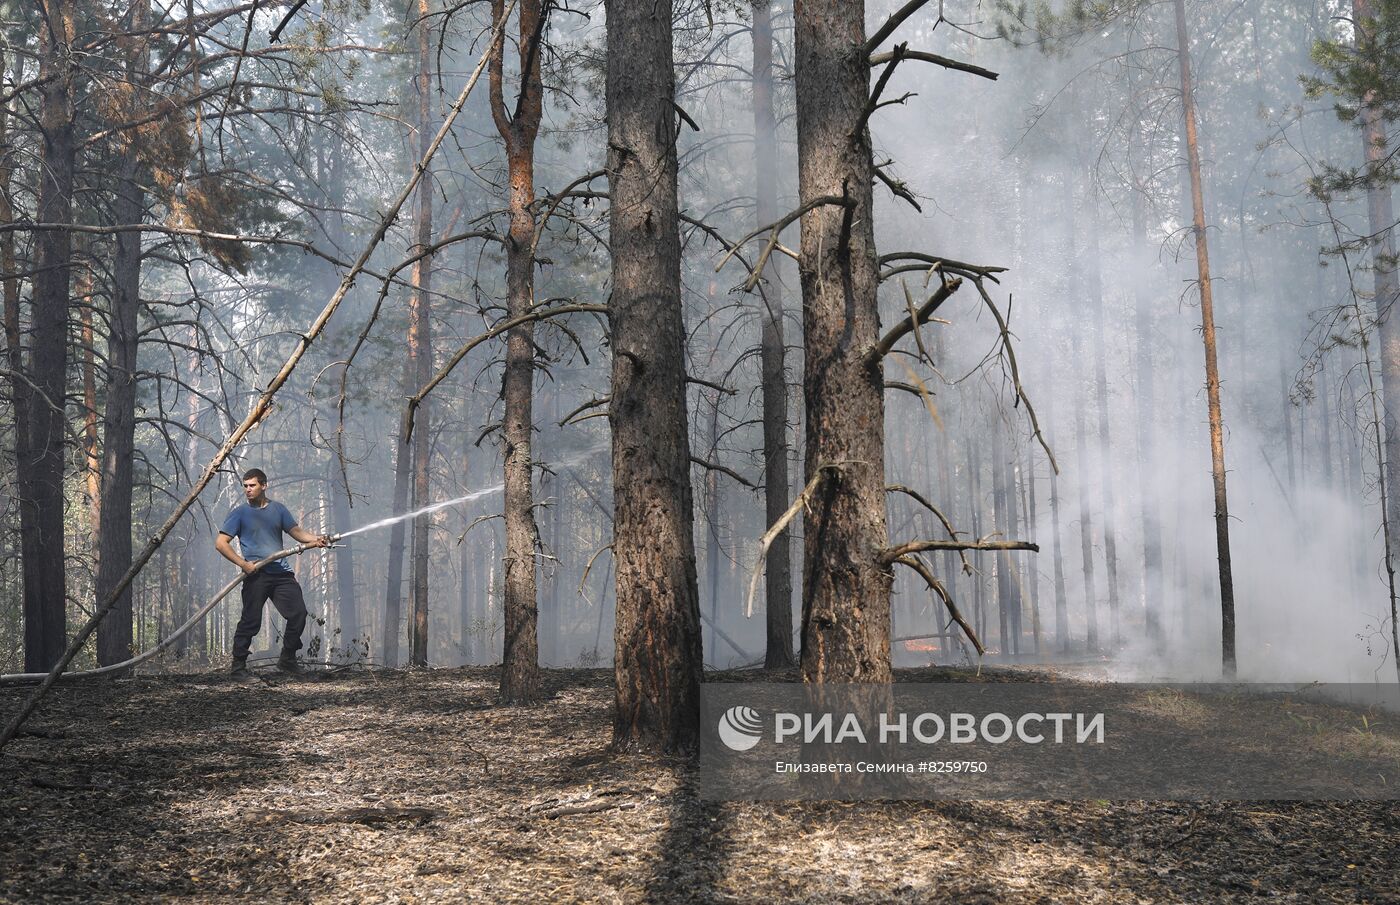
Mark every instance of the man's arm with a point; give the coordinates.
(226, 551)
(302, 536)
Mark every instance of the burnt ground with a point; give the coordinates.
(414, 787)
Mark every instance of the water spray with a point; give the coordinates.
(168, 640)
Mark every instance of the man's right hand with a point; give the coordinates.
(248, 567)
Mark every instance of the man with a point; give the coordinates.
(259, 525)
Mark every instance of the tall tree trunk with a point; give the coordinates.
(1387, 290)
(1003, 527)
(92, 458)
(658, 649)
(420, 325)
(1146, 432)
(9, 286)
(778, 566)
(520, 672)
(846, 589)
(41, 470)
(1081, 439)
(1217, 429)
(119, 418)
(1110, 509)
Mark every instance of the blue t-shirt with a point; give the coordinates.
(259, 532)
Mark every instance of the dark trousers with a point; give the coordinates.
(284, 592)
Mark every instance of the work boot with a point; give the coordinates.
(288, 663)
(239, 672)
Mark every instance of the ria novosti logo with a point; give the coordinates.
(740, 728)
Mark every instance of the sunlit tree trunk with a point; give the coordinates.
(1217, 429)
(518, 128)
(657, 662)
(846, 589)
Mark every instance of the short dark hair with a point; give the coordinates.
(255, 473)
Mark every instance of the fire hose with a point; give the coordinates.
(168, 640)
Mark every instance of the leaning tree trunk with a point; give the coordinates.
(1217, 428)
(778, 565)
(420, 325)
(846, 589)
(41, 468)
(658, 650)
(520, 670)
(1387, 290)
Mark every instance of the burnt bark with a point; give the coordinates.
(119, 417)
(657, 663)
(778, 653)
(520, 673)
(420, 328)
(41, 468)
(846, 589)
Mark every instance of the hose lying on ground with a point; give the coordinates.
(25, 678)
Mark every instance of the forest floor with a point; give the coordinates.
(389, 786)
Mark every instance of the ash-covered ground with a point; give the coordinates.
(387, 786)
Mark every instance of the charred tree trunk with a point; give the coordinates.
(846, 589)
(41, 468)
(658, 650)
(1217, 428)
(520, 672)
(119, 416)
(778, 575)
(9, 285)
(92, 449)
(420, 326)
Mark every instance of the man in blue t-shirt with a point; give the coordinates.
(259, 525)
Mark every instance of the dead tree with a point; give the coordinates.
(658, 661)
